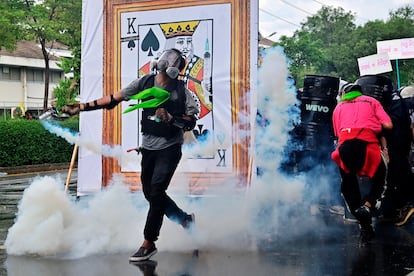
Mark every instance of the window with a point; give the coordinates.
(34, 75)
(55, 76)
(9, 73)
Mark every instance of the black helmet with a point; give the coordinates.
(352, 87)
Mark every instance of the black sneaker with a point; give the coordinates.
(143, 254)
(363, 215)
(349, 217)
(189, 221)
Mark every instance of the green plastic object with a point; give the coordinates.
(159, 97)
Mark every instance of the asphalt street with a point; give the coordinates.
(333, 250)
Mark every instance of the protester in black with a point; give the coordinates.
(163, 129)
(397, 205)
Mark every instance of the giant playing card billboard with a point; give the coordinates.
(219, 42)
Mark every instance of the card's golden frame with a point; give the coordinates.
(239, 83)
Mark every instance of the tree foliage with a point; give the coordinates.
(9, 20)
(68, 89)
(45, 22)
(330, 43)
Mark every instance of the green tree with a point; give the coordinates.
(405, 12)
(401, 25)
(42, 21)
(9, 19)
(331, 27)
(68, 89)
(304, 53)
(318, 47)
(329, 43)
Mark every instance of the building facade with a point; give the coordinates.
(22, 75)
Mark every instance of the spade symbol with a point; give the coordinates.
(131, 45)
(150, 43)
(200, 133)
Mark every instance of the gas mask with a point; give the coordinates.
(169, 62)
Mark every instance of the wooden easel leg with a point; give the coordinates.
(72, 162)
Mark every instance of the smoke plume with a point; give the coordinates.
(275, 207)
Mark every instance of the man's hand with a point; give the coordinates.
(384, 152)
(71, 109)
(163, 115)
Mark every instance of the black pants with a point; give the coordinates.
(351, 191)
(157, 169)
(400, 183)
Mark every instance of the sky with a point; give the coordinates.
(285, 16)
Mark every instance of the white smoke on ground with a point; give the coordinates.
(49, 223)
(229, 217)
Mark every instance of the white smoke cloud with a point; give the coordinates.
(49, 223)
(71, 137)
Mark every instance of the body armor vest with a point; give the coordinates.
(175, 105)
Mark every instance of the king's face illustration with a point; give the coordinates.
(185, 45)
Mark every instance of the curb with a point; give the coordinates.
(35, 168)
